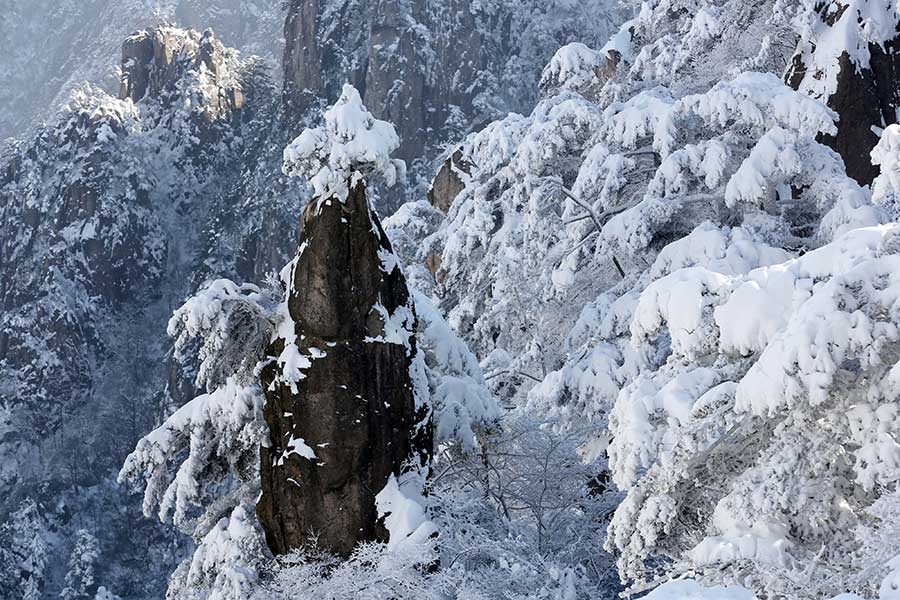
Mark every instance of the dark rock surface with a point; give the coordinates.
(865, 98)
(354, 409)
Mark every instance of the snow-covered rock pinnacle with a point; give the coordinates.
(342, 408)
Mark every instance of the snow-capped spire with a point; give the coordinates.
(350, 144)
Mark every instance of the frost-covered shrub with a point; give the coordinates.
(233, 322)
(774, 382)
(523, 520)
(371, 572)
(226, 562)
(79, 584)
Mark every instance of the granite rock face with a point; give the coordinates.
(382, 49)
(84, 207)
(436, 69)
(449, 181)
(351, 421)
(865, 98)
(155, 62)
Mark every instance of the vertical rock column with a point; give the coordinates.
(866, 96)
(340, 403)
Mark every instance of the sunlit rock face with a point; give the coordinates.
(340, 403)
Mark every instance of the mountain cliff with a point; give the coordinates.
(51, 48)
(110, 215)
(157, 175)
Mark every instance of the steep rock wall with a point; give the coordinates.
(339, 432)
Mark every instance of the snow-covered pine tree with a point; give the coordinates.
(105, 594)
(80, 581)
(23, 552)
(586, 190)
(785, 390)
(745, 403)
(675, 172)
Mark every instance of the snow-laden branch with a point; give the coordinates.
(351, 144)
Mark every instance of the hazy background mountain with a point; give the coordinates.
(50, 48)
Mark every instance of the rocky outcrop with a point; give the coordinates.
(81, 229)
(864, 98)
(435, 68)
(378, 47)
(51, 47)
(395, 75)
(155, 62)
(350, 421)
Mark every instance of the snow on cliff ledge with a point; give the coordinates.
(351, 144)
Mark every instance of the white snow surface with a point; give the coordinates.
(351, 144)
(688, 589)
(402, 506)
(886, 154)
(572, 67)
